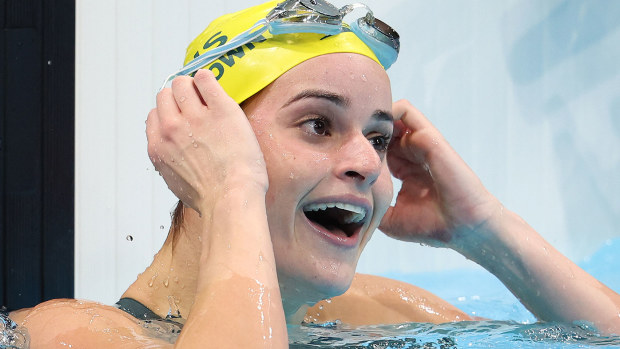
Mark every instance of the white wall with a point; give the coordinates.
(528, 92)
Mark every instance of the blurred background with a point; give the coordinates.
(528, 93)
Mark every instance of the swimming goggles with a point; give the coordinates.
(309, 16)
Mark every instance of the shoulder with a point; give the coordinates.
(378, 300)
(82, 324)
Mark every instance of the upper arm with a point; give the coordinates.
(18, 315)
(377, 300)
(62, 323)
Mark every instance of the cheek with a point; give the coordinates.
(285, 170)
(383, 190)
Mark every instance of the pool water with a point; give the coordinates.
(478, 293)
(480, 334)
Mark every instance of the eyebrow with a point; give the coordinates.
(339, 100)
(382, 115)
(335, 98)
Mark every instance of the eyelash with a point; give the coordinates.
(312, 122)
(385, 142)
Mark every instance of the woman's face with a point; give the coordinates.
(324, 127)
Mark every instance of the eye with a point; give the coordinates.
(380, 142)
(316, 126)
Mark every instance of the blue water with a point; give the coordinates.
(478, 293)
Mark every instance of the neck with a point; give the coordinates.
(168, 285)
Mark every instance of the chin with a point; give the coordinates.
(326, 279)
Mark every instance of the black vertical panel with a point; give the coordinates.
(37, 44)
(58, 147)
(2, 161)
(23, 172)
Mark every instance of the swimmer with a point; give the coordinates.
(285, 175)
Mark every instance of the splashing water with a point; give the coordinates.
(480, 334)
(12, 335)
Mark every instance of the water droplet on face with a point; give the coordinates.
(166, 283)
(328, 300)
(364, 78)
(152, 280)
(195, 145)
(182, 99)
(129, 238)
(191, 134)
(291, 176)
(320, 307)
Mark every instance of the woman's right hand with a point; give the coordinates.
(201, 142)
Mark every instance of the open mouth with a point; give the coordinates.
(341, 219)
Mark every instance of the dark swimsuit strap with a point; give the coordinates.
(137, 309)
(140, 311)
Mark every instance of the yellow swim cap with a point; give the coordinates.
(244, 71)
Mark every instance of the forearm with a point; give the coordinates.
(238, 301)
(551, 286)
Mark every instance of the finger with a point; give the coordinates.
(152, 124)
(153, 136)
(410, 115)
(211, 91)
(186, 95)
(399, 130)
(416, 133)
(166, 104)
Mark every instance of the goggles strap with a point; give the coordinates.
(192, 66)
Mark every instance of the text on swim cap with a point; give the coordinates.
(229, 58)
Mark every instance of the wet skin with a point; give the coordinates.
(323, 128)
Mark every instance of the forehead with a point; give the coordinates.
(355, 77)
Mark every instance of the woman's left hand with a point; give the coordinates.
(440, 194)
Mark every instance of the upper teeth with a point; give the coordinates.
(357, 213)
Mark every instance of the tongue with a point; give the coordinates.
(338, 232)
(335, 230)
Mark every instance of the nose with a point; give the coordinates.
(358, 161)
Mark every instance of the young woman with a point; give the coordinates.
(283, 181)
